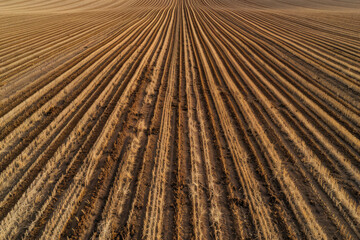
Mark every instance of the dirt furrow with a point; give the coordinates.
(179, 119)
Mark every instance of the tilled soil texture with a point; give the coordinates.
(186, 119)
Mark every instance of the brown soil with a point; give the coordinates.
(186, 119)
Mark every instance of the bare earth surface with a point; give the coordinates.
(186, 119)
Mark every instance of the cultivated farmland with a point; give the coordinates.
(186, 119)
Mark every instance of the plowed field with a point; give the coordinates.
(186, 119)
